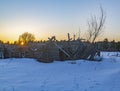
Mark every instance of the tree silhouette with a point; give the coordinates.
(95, 26)
(26, 37)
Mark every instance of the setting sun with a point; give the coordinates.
(22, 43)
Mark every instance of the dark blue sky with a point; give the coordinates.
(45, 18)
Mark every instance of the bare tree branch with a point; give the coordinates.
(26, 37)
(95, 26)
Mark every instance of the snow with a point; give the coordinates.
(23, 74)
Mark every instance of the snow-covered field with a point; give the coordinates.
(29, 75)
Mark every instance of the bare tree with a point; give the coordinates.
(26, 37)
(95, 26)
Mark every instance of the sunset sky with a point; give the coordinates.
(45, 18)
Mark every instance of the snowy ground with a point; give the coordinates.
(30, 75)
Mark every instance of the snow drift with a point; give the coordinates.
(29, 75)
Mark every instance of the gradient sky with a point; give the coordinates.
(45, 18)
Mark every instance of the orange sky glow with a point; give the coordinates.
(45, 18)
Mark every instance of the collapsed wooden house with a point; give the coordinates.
(51, 50)
(67, 50)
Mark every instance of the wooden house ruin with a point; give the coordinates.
(50, 50)
(67, 50)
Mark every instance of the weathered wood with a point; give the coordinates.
(62, 49)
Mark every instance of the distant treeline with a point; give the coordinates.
(104, 45)
(107, 45)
